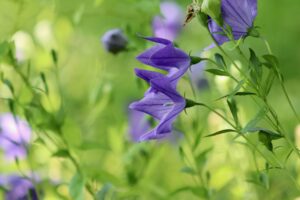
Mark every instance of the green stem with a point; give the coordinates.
(253, 146)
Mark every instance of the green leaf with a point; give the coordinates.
(43, 77)
(233, 109)
(188, 170)
(264, 180)
(76, 187)
(266, 136)
(54, 56)
(197, 191)
(9, 85)
(202, 157)
(255, 67)
(239, 94)
(62, 153)
(220, 60)
(217, 72)
(258, 117)
(236, 89)
(4, 47)
(271, 59)
(221, 132)
(102, 194)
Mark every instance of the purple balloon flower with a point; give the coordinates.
(18, 188)
(162, 101)
(197, 76)
(169, 25)
(138, 124)
(14, 136)
(239, 15)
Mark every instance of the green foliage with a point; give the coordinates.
(76, 187)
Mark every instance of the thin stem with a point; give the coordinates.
(253, 146)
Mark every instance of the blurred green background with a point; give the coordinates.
(97, 88)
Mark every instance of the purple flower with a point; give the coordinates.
(18, 188)
(14, 136)
(197, 76)
(162, 101)
(114, 41)
(239, 15)
(138, 124)
(169, 25)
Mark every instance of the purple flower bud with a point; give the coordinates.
(18, 188)
(169, 25)
(239, 15)
(14, 136)
(114, 41)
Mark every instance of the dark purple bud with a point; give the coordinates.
(114, 41)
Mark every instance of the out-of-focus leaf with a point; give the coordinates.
(54, 56)
(62, 153)
(76, 187)
(102, 194)
(197, 191)
(188, 170)
(202, 157)
(264, 180)
(44, 80)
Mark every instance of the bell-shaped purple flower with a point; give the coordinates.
(14, 136)
(239, 15)
(162, 101)
(114, 41)
(138, 124)
(18, 188)
(169, 25)
(197, 77)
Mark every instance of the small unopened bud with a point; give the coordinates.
(114, 41)
(195, 60)
(253, 32)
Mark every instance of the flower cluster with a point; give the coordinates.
(239, 15)
(162, 101)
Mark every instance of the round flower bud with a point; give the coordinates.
(114, 41)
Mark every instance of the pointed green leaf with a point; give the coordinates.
(220, 60)
(221, 132)
(217, 72)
